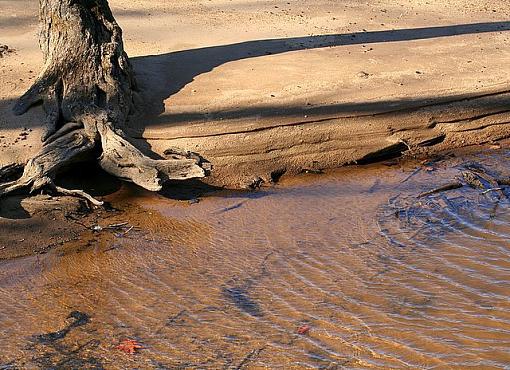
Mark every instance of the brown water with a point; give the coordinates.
(382, 279)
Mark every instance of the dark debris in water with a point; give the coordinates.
(80, 319)
(57, 355)
(9, 366)
(5, 50)
(406, 219)
(240, 297)
(474, 197)
(52, 351)
(238, 292)
(69, 361)
(177, 319)
(255, 184)
(231, 208)
(475, 176)
(250, 357)
(325, 361)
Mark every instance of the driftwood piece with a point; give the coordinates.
(88, 91)
(450, 186)
(476, 177)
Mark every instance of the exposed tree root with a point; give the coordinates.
(80, 194)
(120, 158)
(88, 92)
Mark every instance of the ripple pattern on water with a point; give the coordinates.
(383, 280)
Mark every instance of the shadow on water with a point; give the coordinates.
(240, 297)
(86, 176)
(193, 189)
(12, 209)
(187, 190)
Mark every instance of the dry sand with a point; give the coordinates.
(264, 86)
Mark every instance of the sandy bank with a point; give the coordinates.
(258, 87)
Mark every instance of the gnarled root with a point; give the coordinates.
(73, 142)
(120, 158)
(40, 170)
(88, 92)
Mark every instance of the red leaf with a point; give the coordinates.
(129, 346)
(303, 330)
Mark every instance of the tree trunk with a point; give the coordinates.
(88, 91)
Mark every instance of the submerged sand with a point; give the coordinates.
(379, 278)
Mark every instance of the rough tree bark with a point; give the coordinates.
(88, 91)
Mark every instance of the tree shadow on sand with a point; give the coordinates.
(172, 71)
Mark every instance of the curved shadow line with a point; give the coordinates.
(172, 71)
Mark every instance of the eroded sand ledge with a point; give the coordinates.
(280, 145)
(261, 89)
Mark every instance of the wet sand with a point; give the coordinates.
(381, 279)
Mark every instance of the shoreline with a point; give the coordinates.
(39, 224)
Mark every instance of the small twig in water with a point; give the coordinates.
(128, 230)
(121, 225)
(414, 173)
(116, 226)
(250, 356)
(76, 221)
(451, 186)
(79, 193)
(493, 189)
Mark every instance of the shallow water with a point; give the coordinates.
(382, 279)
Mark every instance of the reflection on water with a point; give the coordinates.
(382, 279)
